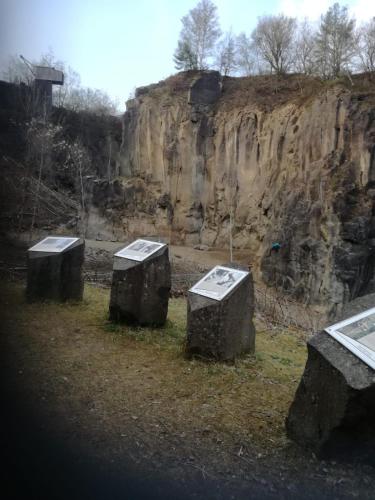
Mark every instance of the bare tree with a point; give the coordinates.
(41, 140)
(72, 81)
(273, 38)
(335, 47)
(62, 93)
(16, 71)
(304, 49)
(200, 29)
(72, 95)
(78, 158)
(226, 54)
(246, 55)
(366, 46)
(91, 100)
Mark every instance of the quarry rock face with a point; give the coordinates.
(221, 330)
(356, 306)
(140, 290)
(292, 158)
(333, 412)
(205, 89)
(56, 276)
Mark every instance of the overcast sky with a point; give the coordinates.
(116, 45)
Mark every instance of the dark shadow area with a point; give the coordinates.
(37, 465)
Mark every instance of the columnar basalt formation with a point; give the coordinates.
(293, 158)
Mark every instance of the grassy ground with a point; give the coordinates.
(247, 400)
(113, 391)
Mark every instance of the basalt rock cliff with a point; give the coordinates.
(289, 160)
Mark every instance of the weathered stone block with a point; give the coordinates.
(205, 89)
(224, 329)
(140, 290)
(56, 276)
(333, 411)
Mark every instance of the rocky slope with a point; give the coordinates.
(39, 162)
(292, 159)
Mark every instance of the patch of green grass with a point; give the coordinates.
(283, 361)
(111, 327)
(259, 356)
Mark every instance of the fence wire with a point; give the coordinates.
(275, 307)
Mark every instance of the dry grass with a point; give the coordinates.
(115, 394)
(107, 375)
(265, 92)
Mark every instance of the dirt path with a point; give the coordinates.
(93, 410)
(189, 256)
(188, 266)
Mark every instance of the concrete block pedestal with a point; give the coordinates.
(221, 329)
(140, 289)
(54, 270)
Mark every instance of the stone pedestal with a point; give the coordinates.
(56, 276)
(140, 290)
(222, 330)
(333, 411)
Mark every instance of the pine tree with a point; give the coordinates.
(184, 58)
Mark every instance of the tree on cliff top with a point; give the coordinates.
(273, 39)
(246, 56)
(304, 49)
(366, 46)
(335, 42)
(184, 57)
(226, 59)
(200, 32)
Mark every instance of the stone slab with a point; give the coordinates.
(222, 330)
(333, 412)
(56, 276)
(140, 290)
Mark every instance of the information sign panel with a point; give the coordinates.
(53, 244)
(219, 282)
(358, 335)
(139, 250)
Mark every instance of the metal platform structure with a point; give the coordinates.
(44, 78)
